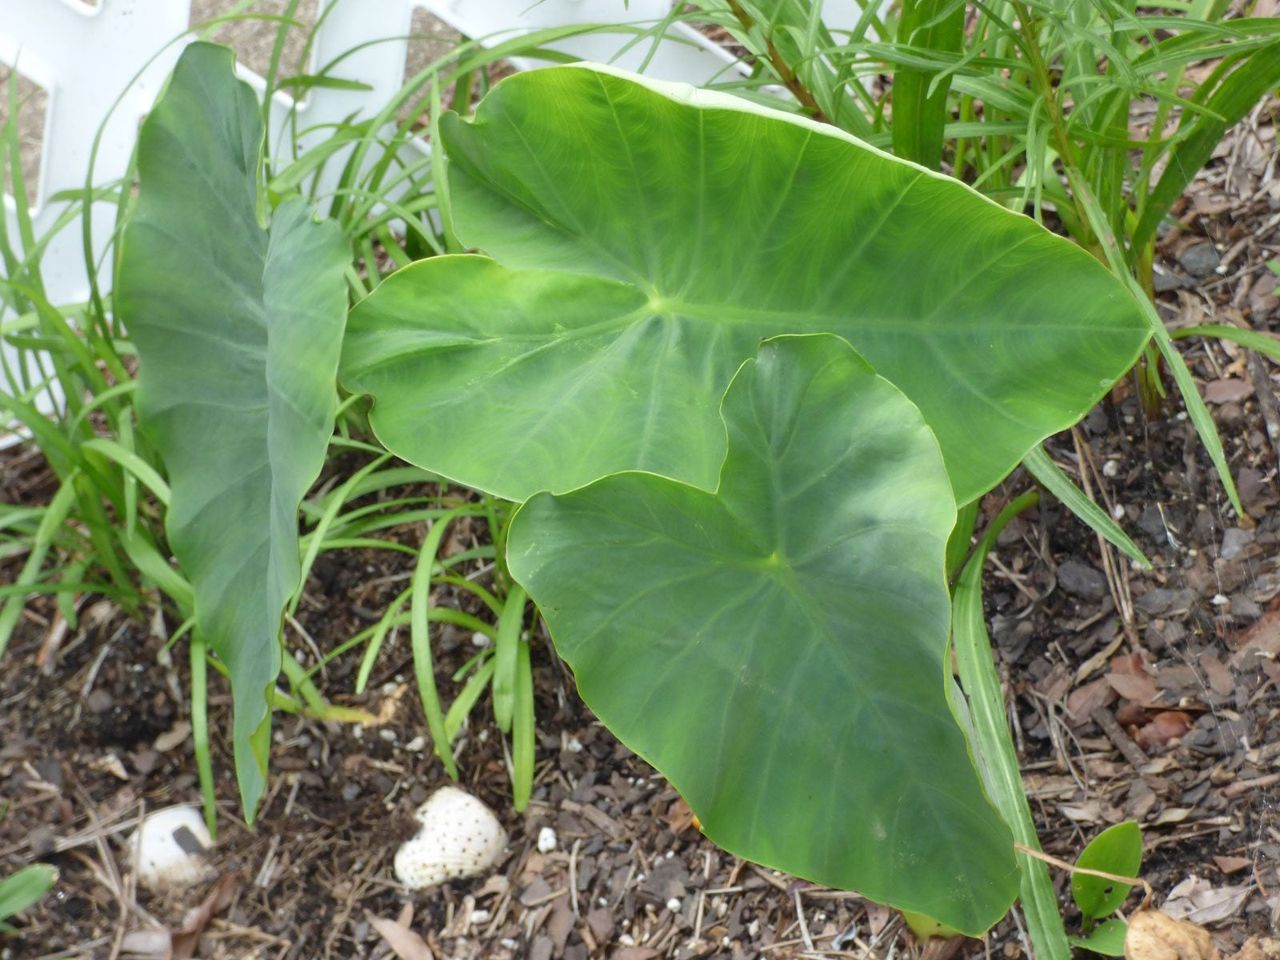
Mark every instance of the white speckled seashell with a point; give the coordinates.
(460, 837)
(170, 849)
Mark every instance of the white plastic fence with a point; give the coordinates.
(85, 56)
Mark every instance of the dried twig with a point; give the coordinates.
(1117, 581)
(1115, 733)
(1148, 893)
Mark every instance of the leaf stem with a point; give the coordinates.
(780, 66)
(1043, 84)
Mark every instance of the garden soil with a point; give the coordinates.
(1145, 695)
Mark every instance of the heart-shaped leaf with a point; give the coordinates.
(697, 224)
(1118, 850)
(777, 648)
(238, 330)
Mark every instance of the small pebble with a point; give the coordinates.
(350, 790)
(416, 745)
(99, 701)
(40, 840)
(144, 761)
(1081, 580)
(546, 840)
(1234, 540)
(1163, 280)
(1200, 259)
(674, 905)
(387, 734)
(479, 639)
(1111, 469)
(480, 916)
(50, 770)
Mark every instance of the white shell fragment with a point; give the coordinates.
(460, 837)
(170, 849)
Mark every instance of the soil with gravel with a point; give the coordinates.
(1147, 695)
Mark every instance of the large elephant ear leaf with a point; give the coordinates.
(777, 648)
(238, 330)
(727, 223)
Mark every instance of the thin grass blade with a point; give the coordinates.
(1041, 466)
(420, 638)
(522, 731)
(993, 746)
(54, 516)
(506, 655)
(1262, 343)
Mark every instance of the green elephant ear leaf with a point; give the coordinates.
(669, 230)
(776, 648)
(238, 330)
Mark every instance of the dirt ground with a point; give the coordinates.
(1146, 695)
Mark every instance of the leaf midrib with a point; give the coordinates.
(727, 313)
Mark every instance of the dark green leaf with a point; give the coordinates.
(238, 330)
(777, 648)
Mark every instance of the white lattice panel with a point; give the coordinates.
(87, 57)
(684, 55)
